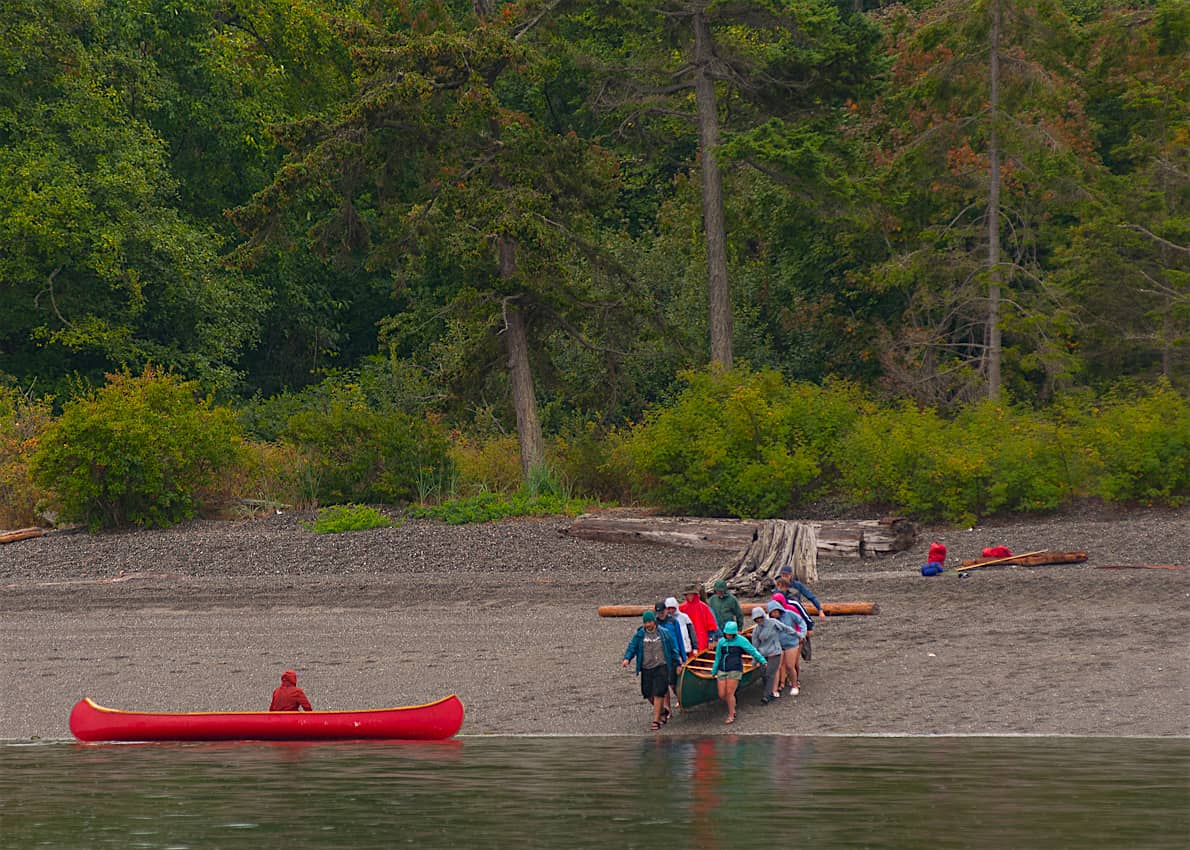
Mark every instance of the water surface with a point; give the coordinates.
(575, 793)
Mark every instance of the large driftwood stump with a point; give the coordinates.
(778, 542)
(835, 538)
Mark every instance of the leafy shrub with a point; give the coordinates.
(487, 507)
(360, 454)
(989, 458)
(490, 465)
(338, 518)
(586, 457)
(272, 474)
(137, 451)
(379, 383)
(22, 421)
(1141, 446)
(740, 443)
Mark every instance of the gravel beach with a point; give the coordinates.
(205, 616)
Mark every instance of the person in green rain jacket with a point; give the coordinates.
(725, 607)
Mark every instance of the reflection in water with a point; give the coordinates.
(658, 792)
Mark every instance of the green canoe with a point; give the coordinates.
(695, 685)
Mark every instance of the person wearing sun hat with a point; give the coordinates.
(725, 606)
(728, 668)
(657, 661)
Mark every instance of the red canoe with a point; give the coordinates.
(434, 721)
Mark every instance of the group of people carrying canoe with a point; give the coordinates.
(672, 633)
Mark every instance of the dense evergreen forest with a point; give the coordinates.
(548, 218)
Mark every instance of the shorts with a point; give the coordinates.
(654, 681)
(730, 674)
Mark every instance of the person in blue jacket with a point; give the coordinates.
(728, 668)
(794, 590)
(657, 661)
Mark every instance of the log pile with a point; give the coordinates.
(835, 538)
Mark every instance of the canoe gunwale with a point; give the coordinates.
(335, 713)
(436, 720)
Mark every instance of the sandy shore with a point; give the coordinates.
(205, 617)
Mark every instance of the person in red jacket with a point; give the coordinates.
(289, 697)
(700, 615)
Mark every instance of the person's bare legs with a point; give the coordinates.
(727, 689)
(790, 664)
(658, 703)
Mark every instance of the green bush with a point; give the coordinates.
(989, 458)
(491, 465)
(1140, 444)
(338, 518)
(487, 507)
(740, 443)
(137, 451)
(585, 457)
(361, 454)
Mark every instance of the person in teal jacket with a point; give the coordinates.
(729, 664)
(657, 661)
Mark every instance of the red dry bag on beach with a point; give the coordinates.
(997, 552)
(937, 554)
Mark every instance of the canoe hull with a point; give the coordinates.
(695, 685)
(696, 688)
(434, 721)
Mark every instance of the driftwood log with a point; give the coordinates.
(1028, 559)
(20, 534)
(835, 538)
(833, 609)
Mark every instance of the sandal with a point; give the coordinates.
(655, 726)
(730, 719)
(665, 715)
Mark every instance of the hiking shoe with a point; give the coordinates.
(794, 691)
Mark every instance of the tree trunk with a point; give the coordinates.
(993, 320)
(520, 376)
(718, 291)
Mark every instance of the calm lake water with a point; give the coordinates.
(655, 792)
